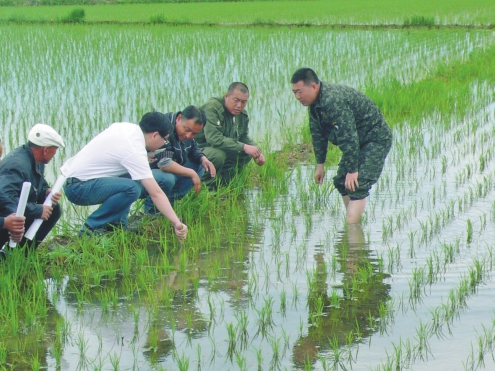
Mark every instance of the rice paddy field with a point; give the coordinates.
(270, 277)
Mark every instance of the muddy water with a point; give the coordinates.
(304, 290)
(295, 292)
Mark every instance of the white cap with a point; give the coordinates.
(45, 136)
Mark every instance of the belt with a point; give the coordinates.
(70, 181)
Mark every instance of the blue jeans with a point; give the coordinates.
(115, 195)
(174, 186)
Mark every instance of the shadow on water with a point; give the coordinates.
(346, 314)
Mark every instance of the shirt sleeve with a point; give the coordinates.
(320, 142)
(137, 165)
(164, 162)
(195, 153)
(245, 138)
(11, 184)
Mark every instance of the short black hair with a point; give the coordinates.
(155, 121)
(238, 86)
(194, 113)
(306, 75)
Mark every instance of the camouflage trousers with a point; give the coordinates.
(371, 160)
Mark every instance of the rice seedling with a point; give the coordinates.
(245, 259)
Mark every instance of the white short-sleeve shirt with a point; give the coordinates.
(116, 151)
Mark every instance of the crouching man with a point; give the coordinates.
(113, 171)
(27, 164)
(179, 164)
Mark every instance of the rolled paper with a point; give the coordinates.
(31, 232)
(21, 206)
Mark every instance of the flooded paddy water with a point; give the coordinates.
(283, 284)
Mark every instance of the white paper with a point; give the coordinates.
(21, 206)
(31, 232)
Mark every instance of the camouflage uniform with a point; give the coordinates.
(223, 139)
(351, 121)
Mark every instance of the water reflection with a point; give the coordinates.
(35, 346)
(348, 313)
(119, 322)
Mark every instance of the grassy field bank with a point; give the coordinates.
(322, 12)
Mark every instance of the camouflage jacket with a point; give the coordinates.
(347, 118)
(223, 130)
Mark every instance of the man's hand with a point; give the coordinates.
(260, 161)
(56, 198)
(152, 158)
(208, 166)
(180, 230)
(252, 151)
(15, 225)
(47, 212)
(319, 173)
(351, 181)
(196, 182)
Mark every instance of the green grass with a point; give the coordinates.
(76, 15)
(447, 89)
(476, 12)
(94, 2)
(419, 20)
(110, 272)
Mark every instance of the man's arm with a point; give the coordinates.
(320, 142)
(342, 117)
(244, 137)
(175, 168)
(348, 139)
(195, 153)
(11, 184)
(250, 146)
(163, 205)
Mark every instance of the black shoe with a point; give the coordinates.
(132, 228)
(86, 230)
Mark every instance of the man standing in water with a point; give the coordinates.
(225, 138)
(351, 121)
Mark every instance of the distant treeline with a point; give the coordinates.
(94, 2)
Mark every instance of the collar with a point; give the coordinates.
(225, 110)
(37, 167)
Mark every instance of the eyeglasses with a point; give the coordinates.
(165, 137)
